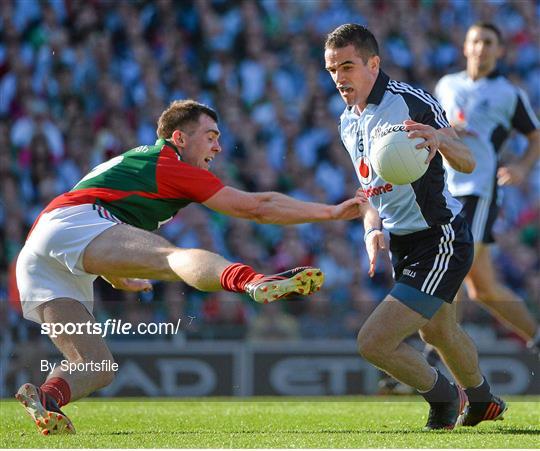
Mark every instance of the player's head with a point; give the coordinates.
(351, 56)
(483, 47)
(192, 128)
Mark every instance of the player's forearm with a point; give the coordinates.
(276, 208)
(371, 218)
(456, 153)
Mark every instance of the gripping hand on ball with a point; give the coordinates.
(427, 132)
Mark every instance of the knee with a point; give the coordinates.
(438, 336)
(482, 292)
(369, 347)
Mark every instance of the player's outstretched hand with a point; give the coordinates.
(127, 284)
(374, 243)
(512, 174)
(351, 208)
(427, 132)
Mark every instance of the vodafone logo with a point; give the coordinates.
(365, 171)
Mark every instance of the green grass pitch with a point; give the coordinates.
(344, 422)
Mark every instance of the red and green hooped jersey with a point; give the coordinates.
(144, 187)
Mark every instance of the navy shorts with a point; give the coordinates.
(430, 265)
(480, 213)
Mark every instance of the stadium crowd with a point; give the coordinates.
(82, 81)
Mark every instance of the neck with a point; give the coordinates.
(359, 107)
(475, 72)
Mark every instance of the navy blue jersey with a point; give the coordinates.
(408, 208)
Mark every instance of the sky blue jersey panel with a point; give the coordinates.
(403, 208)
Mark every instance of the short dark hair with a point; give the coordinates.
(180, 114)
(489, 26)
(353, 34)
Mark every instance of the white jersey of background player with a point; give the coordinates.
(484, 107)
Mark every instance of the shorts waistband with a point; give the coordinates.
(106, 214)
(432, 231)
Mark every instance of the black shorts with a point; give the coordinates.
(430, 265)
(481, 214)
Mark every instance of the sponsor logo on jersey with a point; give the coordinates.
(378, 190)
(365, 171)
(365, 174)
(379, 132)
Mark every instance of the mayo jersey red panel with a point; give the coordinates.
(144, 187)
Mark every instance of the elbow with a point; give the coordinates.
(258, 214)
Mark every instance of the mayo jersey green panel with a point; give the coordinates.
(134, 170)
(144, 187)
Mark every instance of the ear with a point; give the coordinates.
(374, 63)
(179, 139)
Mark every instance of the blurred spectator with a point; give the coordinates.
(272, 324)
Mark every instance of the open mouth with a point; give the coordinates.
(208, 160)
(345, 90)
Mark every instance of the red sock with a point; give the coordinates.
(234, 277)
(58, 389)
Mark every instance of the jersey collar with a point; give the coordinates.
(379, 88)
(163, 142)
(493, 74)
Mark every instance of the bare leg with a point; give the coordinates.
(483, 286)
(125, 251)
(454, 346)
(77, 348)
(380, 341)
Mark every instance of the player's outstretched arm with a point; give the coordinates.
(277, 208)
(516, 173)
(446, 141)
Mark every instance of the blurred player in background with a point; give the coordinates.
(431, 243)
(103, 227)
(484, 107)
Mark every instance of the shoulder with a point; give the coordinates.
(452, 79)
(418, 100)
(409, 92)
(501, 83)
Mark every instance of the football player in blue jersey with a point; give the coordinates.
(431, 243)
(483, 107)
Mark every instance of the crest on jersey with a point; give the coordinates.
(365, 171)
(359, 143)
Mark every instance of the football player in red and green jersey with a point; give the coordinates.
(102, 227)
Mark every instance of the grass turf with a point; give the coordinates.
(345, 422)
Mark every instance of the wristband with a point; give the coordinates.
(370, 230)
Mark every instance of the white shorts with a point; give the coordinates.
(49, 265)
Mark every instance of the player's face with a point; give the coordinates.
(201, 145)
(354, 79)
(482, 50)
